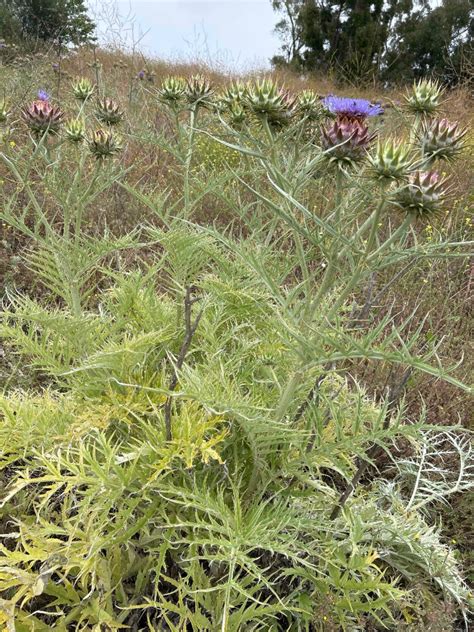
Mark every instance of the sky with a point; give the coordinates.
(232, 34)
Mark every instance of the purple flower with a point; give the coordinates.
(141, 74)
(55, 67)
(43, 95)
(346, 107)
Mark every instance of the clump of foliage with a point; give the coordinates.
(63, 21)
(198, 455)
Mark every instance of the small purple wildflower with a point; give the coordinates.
(55, 66)
(43, 95)
(346, 107)
(141, 74)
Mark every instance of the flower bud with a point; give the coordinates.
(308, 104)
(103, 143)
(109, 112)
(198, 90)
(424, 193)
(391, 160)
(425, 97)
(236, 113)
(266, 100)
(75, 131)
(235, 93)
(42, 117)
(4, 110)
(441, 139)
(172, 91)
(346, 141)
(82, 89)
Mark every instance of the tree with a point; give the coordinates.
(65, 21)
(290, 31)
(348, 36)
(432, 40)
(385, 39)
(9, 25)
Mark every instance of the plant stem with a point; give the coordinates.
(189, 157)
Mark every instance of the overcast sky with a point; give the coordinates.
(237, 34)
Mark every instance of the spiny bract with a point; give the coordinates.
(391, 160)
(424, 97)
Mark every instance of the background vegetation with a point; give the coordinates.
(383, 41)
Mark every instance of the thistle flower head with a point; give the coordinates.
(424, 193)
(425, 97)
(141, 75)
(43, 95)
(346, 141)
(82, 88)
(352, 109)
(108, 111)
(267, 100)
(234, 93)
(441, 139)
(172, 91)
(42, 117)
(237, 113)
(198, 90)
(391, 160)
(75, 130)
(308, 104)
(103, 143)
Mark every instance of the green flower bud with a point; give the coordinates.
(441, 139)
(103, 143)
(425, 97)
(424, 194)
(75, 130)
(172, 91)
(391, 160)
(83, 88)
(109, 112)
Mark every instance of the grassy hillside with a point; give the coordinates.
(236, 351)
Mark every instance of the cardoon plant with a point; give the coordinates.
(205, 455)
(270, 103)
(424, 99)
(424, 194)
(108, 111)
(346, 141)
(83, 88)
(441, 139)
(351, 109)
(41, 116)
(104, 143)
(171, 92)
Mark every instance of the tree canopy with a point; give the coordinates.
(387, 39)
(65, 21)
